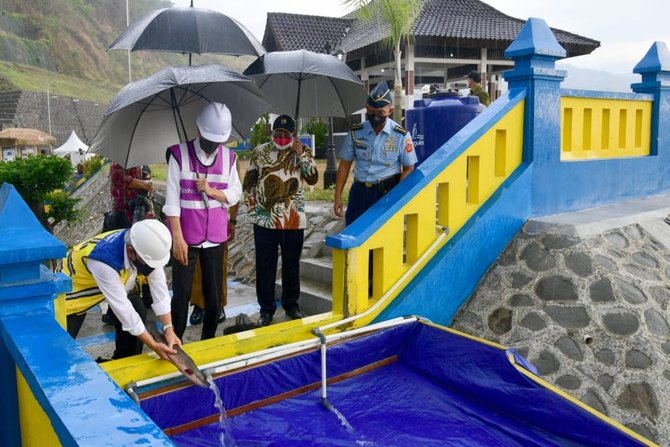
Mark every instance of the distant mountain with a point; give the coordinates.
(585, 79)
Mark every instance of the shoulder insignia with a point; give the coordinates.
(400, 130)
(358, 126)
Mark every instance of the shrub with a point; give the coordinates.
(35, 178)
(91, 166)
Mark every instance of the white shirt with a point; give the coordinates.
(172, 206)
(109, 283)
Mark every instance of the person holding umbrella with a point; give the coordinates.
(383, 152)
(202, 183)
(275, 199)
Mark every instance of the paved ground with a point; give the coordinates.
(98, 338)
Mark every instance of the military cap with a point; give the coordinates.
(380, 96)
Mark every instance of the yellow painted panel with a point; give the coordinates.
(593, 128)
(339, 280)
(59, 310)
(36, 428)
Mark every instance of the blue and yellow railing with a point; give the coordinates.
(424, 212)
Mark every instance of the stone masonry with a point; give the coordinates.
(591, 314)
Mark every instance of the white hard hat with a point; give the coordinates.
(214, 122)
(152, 241)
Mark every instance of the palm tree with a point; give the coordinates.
(400, 16)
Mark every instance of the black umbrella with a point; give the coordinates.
(153, 113)
(308, 84)
(188, 30)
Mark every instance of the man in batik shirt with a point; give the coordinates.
(273, 190)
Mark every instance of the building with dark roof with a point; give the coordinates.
(450, 38)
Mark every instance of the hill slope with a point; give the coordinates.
(70, 38)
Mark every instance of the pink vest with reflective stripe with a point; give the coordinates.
(199, 224)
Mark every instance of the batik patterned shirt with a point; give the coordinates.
(273, 188)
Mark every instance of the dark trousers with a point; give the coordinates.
(267, 241)
(74, 323)
(126, 344)
(211, 264)
(362, 197)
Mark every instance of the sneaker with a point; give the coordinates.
(196, 316)
(264, 319)
(222, 316)
(295, 314)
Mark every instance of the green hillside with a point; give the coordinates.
(62, 44)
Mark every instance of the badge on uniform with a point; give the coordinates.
(409, 147)
(389, 145)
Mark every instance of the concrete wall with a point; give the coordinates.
(67, 114)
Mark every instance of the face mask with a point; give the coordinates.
(208, 146)
(375, 119)
(143, 269)
(282, 142)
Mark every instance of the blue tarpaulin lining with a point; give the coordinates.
(445, 389)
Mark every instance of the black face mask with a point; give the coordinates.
(208, 146)
(143, 269)
(375, 119)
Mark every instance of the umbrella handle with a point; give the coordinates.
(203, 195)
(205, 199)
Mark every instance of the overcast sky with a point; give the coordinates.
(625, 30)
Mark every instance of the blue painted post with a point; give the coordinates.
(27, 289)
(655, 70)
(535, 52)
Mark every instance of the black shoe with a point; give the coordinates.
(107, 318)
(265, 319)
(295, 314)
(196, 316)
(222, 316)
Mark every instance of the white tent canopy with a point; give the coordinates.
(75, 148)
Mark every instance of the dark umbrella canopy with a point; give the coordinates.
(305, 84)
(188, 30)
(151, 114)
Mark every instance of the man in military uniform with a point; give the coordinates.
(474, 84)
(383, 153)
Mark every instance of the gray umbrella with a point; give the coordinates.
(153, 113)
(188, 30)
(306, 84)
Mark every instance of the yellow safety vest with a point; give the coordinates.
(85, 292)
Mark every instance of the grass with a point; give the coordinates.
(312, 193)
(25, 77)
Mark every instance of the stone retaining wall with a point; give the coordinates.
(591, 314)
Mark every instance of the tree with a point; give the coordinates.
(35, 179)
(318, 128)
(400, 16)
(260, 132)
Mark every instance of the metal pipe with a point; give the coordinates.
(130, 390)
(324, 374)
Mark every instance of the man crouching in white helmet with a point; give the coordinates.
(109, 266)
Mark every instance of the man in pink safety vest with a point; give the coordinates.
(202, 183)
